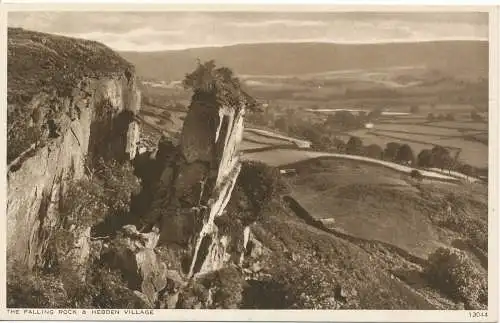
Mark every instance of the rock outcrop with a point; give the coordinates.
(92, 116)
(132, 253)
(196, 187)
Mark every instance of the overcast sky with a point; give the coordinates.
(148, 31)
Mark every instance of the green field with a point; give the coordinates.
(377, 203)
(468, 138)
(418, 129)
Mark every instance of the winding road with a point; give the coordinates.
(298, 151)
(284, 151)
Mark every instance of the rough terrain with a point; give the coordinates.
(95, 220)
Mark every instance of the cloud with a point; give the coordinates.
(177, 30)
(136, 36)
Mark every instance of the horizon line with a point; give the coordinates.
(180, 48)
(284, 42)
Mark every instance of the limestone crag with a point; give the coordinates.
(196, 187)
(96, 121)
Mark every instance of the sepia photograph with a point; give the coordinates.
(327, 160)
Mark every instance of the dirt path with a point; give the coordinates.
(283, 157)
(298, 142)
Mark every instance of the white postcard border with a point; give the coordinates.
(179, 315)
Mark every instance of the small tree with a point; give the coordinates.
(431, 117)
(312, 133)
(391, 150)
(424, 158)
(415, 174)
(466, 169)
(375, 113)
(373, 151)
(450, 117)
(476, 116)
(405, 154)
(354, 145)
(339, 144)
(343, 119)
(325, 142)
(441, 157)
(414, 109)
(281, 124)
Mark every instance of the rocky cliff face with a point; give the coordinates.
(93, 116)
(166, 237)
(220, 157)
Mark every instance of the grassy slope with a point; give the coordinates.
(376, 203)
(310, 262)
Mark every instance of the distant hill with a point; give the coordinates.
(453, 58)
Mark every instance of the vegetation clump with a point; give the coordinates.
(227, 287)
(34, 290)
(110, 291)
(454, 273)
(415, 174)
(55, 63)
(107, 191)
(217, 84)
(261, 184)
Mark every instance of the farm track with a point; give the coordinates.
(267, 148)
(307, 155)
(269, 134)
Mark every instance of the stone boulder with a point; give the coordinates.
(132, 253)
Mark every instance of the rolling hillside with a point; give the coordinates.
(449, 57)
